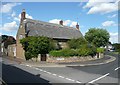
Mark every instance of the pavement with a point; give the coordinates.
(106, 59)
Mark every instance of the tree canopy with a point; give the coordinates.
(36, 45)
(76, 43)
(98, 37)
(7, 40)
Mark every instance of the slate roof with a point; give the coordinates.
(56, 31)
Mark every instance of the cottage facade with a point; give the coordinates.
(58, 32)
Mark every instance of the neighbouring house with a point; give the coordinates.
(58, 32)
(109, 47)
(11, 50)
(5, 42)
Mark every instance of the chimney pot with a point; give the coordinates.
(23, 15)
(77, 26)
(61, 22)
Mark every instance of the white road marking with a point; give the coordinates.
(37, 68)
(45, 71)
(72, 80)
(30, 66)
(61, 76)
(78, 82)
(117, 68)
(54, 74)
(40, 70)
(99, 78)
(67, 78)
(27, 65)
(48, 72)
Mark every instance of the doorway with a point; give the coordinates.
(43, 57)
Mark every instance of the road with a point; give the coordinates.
(12, 72)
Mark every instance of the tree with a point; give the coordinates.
(117, 47)
(76, 43)
(7, 40)
(97, 37)
(36, 45)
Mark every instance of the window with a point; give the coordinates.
(21, 36)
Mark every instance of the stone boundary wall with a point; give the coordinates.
(51, 59)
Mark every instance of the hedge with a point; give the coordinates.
(86, 50)
(83, 51)
(63, 53)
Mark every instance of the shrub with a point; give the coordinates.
(100, 50)
(86, 50)
(63, 53)
(76, 43)
(36, 45)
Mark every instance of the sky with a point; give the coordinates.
(90, 14)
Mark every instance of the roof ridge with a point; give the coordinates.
(53, 24)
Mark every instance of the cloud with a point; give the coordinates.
(73, 24)
(6, 8)
(0, 34)
(112, 16)
(108, 23)
(56, 21)
(13, 14)
(114, 37)
(101, 6)
(17, 18)
(65, 22)
(9, 26)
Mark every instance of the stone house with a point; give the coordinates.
(11, 50)
(58, 32)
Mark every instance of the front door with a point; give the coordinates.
(43, 57)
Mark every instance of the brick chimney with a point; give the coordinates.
(77, 26)
(61, 22)
(23, 15)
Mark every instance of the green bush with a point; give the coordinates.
(63, 53)
(100, 50)
(37, 45)
(86, 50)
(76, 43)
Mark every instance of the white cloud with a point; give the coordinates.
(56, 21)
(101, 6)
(8, 7)
(0, 34)
(114, 37)
(73, 24)
(13, 14)
(9, 26)
(108, 23)
(17, 18)
(65, 22)
(112, 16)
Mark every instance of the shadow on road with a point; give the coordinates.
(12, 75)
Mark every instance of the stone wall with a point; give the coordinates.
(12, 50)
(51, 59)
(19, 48)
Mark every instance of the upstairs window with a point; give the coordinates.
(21, 36)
